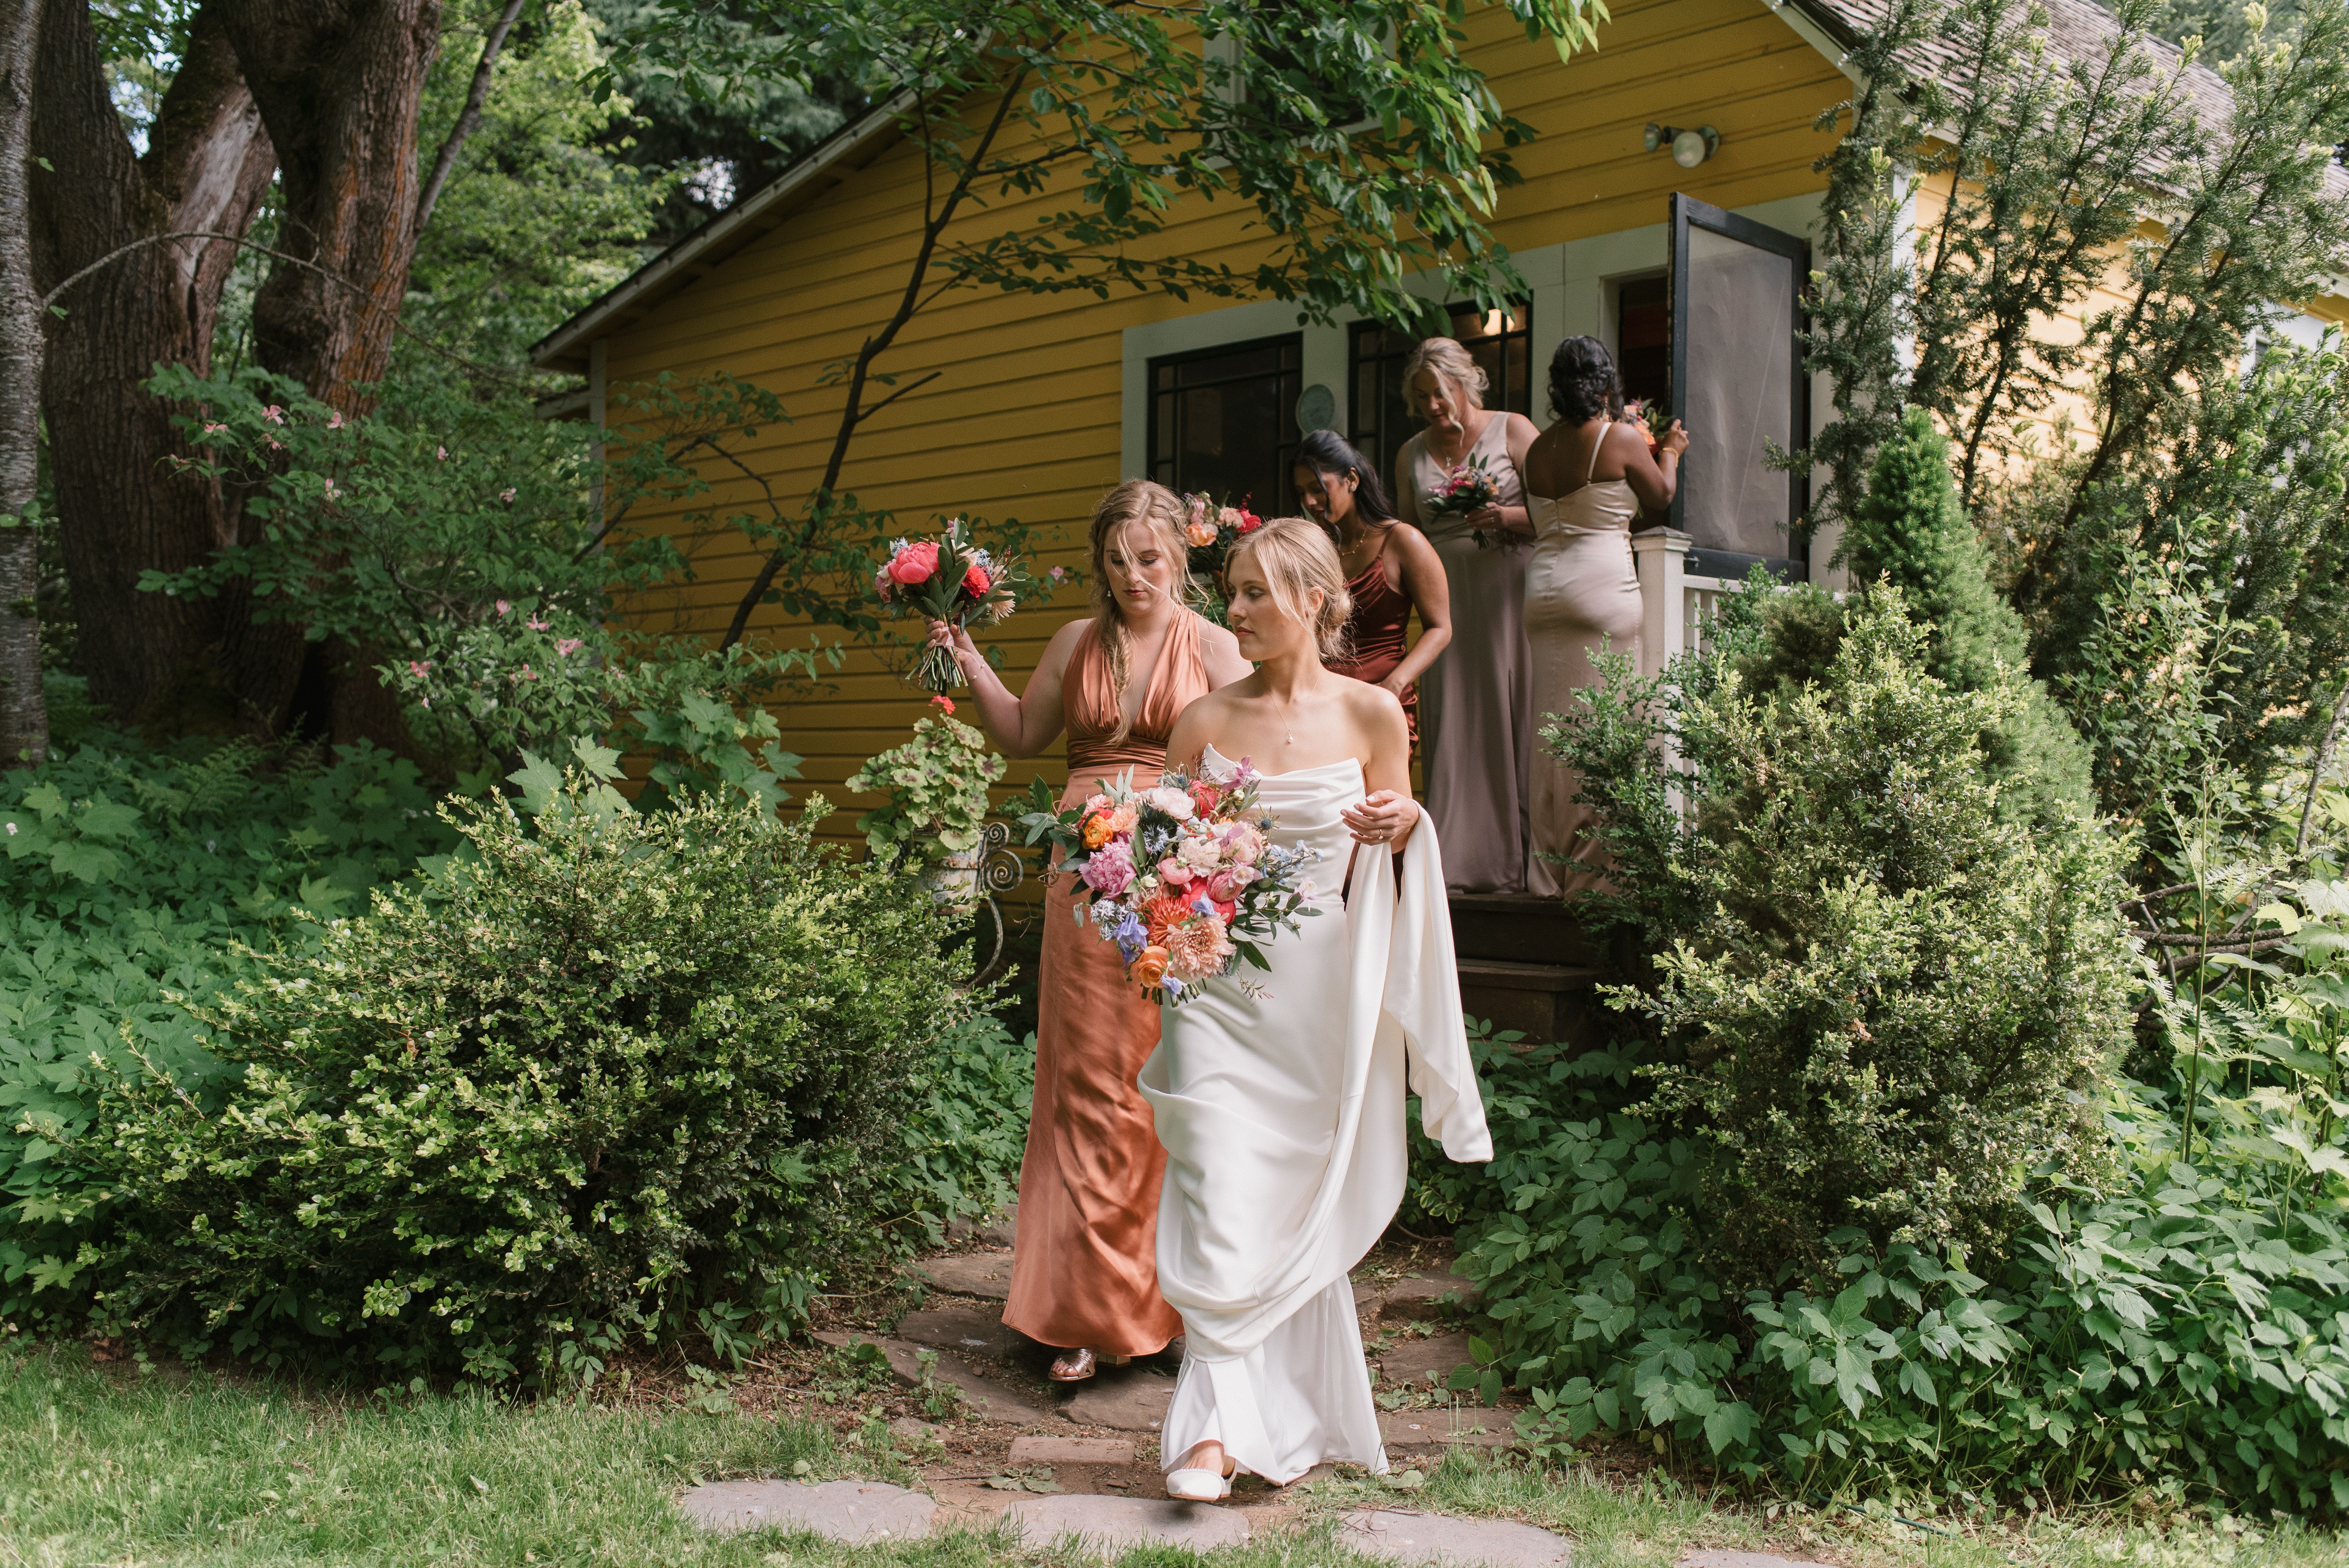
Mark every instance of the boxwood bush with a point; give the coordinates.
(598, 1075)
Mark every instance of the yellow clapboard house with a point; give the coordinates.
(1689, 268)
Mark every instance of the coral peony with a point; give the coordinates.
(1200, 533)
(974, 582)
(1197, 950)
(915, 563)
(1250, 523)
(1150, 969)
(1206, 795)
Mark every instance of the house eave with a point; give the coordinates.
(835, 159)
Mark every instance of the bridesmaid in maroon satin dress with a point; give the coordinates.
(1391, 570)
(1085, 1268)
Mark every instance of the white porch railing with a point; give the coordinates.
(1675, 603)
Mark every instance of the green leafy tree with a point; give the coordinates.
(1116, 115)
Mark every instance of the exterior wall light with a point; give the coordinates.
(1690, 148)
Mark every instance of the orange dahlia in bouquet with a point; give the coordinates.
(1183, 876)
(947, 579)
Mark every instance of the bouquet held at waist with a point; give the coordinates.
(948, 578)
(1182, 876)
(1468, 487)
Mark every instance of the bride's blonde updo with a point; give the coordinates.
(1296, 557)
(1137, 504)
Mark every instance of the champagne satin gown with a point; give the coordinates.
(1475, 701)
(1084, 1265)
(1282, 1115)
(1582, 595)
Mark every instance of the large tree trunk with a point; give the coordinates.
(124, 506)
(338, 83)
(24, 716)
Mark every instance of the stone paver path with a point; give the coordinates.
(1122, 1399)
(856, 1512)
(987, 1275)
(1071, 1451)
(1412, 1359)
(1714, 1559)
(1401, 1537)
(961, 1328)
(1110, 1525)
(990, 1397)
(1472, 1424)
(1416, 1298)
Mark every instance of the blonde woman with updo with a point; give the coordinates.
(1476, 702)
(1279, 1096)
(1083, 1271)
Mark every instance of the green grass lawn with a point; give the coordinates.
(160, 1469)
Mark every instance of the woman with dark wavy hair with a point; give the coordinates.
(1586, 476)
(1391, 570)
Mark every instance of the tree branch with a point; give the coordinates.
(468, 118)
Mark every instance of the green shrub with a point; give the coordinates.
(132, 874)
(934, 790)
(1881, 1001)
(965, 1143)
(616, 1076)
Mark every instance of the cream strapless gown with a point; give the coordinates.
(1282, 1116)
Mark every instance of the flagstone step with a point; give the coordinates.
(1399, 1535)
(858, 1512)
(991, 1398)
(1465, 1426)
(1107, 1526)
(1411, 1360)
(987, 1275)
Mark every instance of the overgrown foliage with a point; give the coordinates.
(607, 1077)
(1880, 997)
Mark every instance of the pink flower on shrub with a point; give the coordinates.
(418, 666)
(330, 489)
(569, 646)
(334, 420)
(442, 452)
(506, 496)
(1057, 573)
(1110, 869)
(273, 413)
(210, 428)
(503, 606)
(541, 625)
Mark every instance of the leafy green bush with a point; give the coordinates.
(964, 1144)
(617, 1076)
(132, 875)
(1881, 1001)
(934, 790)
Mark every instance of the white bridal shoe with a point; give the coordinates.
(1192, 1484)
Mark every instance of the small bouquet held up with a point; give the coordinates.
(1211, 529)
(1470, 486)
(1184, 877)
(947, 579)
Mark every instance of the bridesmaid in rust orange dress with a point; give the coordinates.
(1084, 1267)
(1391, 569)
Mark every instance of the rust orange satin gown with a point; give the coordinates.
(1084, 1267)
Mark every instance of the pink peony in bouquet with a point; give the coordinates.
(947, 579)
(1469, 486)
(1184, 877)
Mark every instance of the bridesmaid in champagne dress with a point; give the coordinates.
(1281, 1103)
(1083, 1271)
(1391, 568)
(1581, 592)
(1476, 702)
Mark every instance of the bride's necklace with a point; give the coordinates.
(1289, 722)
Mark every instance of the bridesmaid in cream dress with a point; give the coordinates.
(1586, 478)
(1282, 1107)
(1476, 702)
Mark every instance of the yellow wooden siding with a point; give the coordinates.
(1025, 418)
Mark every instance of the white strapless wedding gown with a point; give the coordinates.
(1282, 1117)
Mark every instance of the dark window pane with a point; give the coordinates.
(1643, 351)
(1499, 340)
(1225, 422)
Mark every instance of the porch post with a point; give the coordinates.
(1660, 556)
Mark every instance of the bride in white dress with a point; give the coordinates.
(1282, 1113)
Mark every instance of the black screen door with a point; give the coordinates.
(1739, 386)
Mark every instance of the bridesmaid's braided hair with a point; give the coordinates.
(1583, 383)
(1296, 557)
(1136, 503)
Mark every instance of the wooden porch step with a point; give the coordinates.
(1525, 928)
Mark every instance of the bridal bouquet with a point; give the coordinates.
(948, 578)
(1184, 877)
(1469, 486)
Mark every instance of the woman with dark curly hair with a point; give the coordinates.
(1586, 476)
